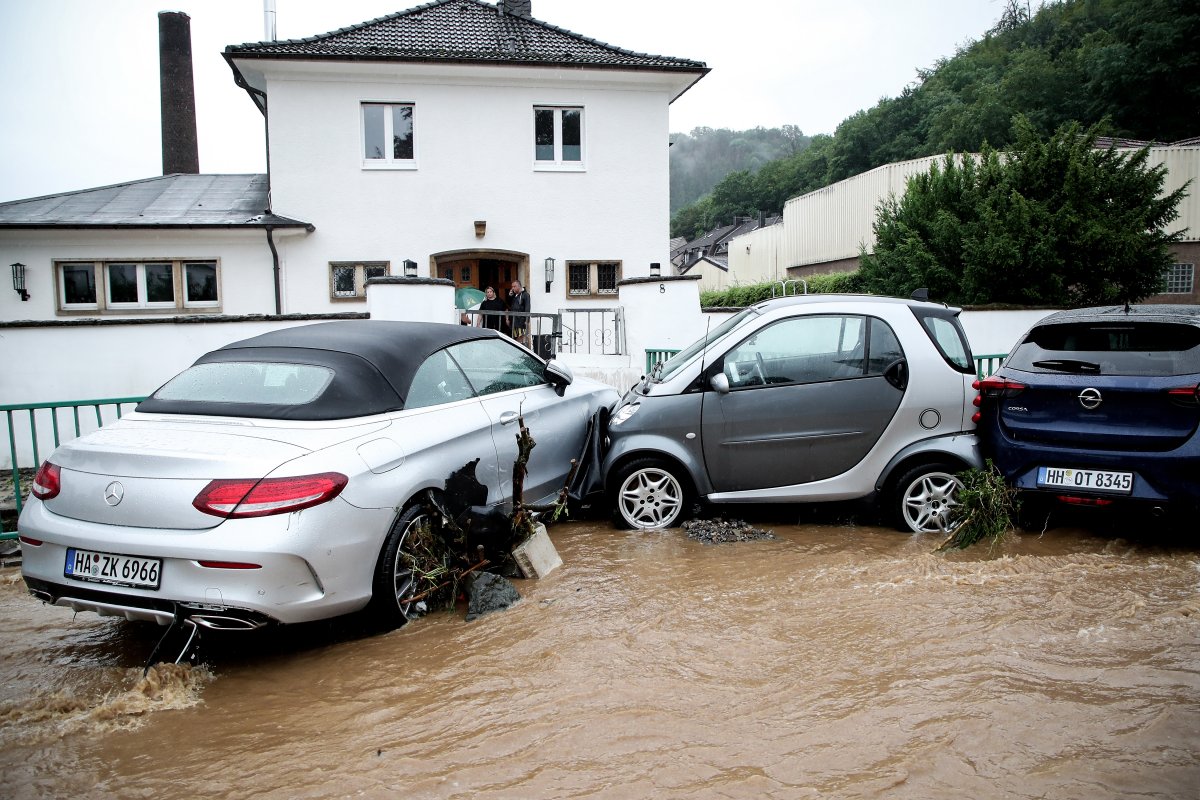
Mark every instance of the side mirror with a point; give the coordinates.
(720, 382)
(559, 376)
(896, 373)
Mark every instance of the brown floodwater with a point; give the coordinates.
(835, 661)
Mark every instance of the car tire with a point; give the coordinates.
(921, 499)
(393, 579)
(651, 493)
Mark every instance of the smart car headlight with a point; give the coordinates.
(624, 413)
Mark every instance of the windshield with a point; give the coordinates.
(666, 369)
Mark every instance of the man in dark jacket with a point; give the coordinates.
(518, 301)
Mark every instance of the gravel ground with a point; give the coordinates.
(712, 531)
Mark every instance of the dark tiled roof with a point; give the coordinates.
(461, 31)
(169, 201)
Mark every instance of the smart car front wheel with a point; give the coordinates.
(651, 494)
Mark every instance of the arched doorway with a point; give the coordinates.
(482, 268)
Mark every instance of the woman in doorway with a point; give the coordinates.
(493, 309)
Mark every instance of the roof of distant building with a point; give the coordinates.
(167, 201)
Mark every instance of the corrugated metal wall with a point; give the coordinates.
(833, 223)
(756, 257)
(1183, 164)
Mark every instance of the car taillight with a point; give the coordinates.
(47, 483)
(236, 498)
(994, 386)
(1084, 501)
(1188, 395)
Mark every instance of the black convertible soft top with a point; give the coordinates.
(373, 362)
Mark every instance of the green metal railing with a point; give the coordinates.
(57, 434)
(986, 365)
(655, 356)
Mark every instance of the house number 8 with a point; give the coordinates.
(662, 289)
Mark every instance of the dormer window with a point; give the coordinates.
(389, 135)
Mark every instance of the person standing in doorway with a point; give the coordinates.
(518, 302)
(492, 304)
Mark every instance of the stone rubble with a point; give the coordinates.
(720, 530)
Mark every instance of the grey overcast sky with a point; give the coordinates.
(79, 78)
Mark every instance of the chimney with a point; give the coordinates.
(176, 94)
(517, 8)
(269, 20)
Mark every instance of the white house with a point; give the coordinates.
(467, 140)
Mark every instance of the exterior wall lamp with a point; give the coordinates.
(410, 268)
(655, 269)
(549, 272)
(480, 228)
(18, 273)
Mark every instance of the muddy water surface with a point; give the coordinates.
(832, 662)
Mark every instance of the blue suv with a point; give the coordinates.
(1100, 407)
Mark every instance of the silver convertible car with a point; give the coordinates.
(275, 480)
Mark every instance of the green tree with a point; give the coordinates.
(1132, 67)
(1050, 221)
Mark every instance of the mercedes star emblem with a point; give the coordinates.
(1090, 399)
(114, 493)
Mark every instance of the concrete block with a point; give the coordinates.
(537, 556)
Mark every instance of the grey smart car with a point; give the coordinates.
(802, 399)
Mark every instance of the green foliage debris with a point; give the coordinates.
(986, 508)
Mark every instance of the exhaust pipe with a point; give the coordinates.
(216, 622)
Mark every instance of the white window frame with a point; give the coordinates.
(558, 164)
(183, 289)
(142, 295)
(103, 302)
(593, 277)
(389, 161)
(360, 278)
(61, 286)
(1180, 279)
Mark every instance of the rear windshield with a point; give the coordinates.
(1107, 348)
(248, 382)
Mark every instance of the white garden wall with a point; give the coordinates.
(53, 363)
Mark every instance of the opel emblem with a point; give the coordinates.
(114, 493)
(1090, 399)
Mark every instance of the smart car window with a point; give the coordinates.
(248, 382)
(1107, 348)
(495, 365)
(799, 350)
(438, 380)
(949, 340)
(885, 347)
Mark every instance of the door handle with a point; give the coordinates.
(508, 417)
